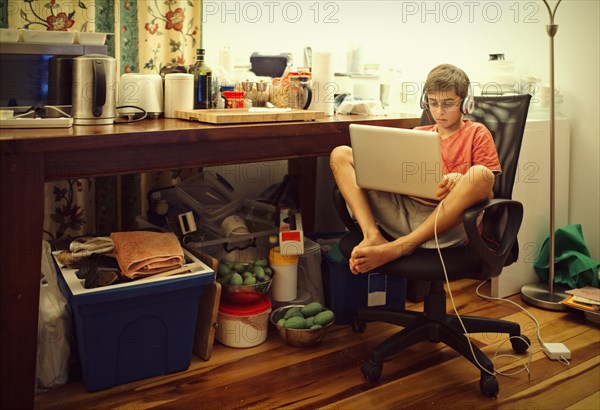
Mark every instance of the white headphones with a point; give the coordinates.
(467, 105)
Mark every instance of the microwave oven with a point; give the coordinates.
(39, 74)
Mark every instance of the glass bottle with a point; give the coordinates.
(202, 82)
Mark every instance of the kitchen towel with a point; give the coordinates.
(142, 253)
(324, 86)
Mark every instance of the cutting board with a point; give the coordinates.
(241, 115)
(208, 310)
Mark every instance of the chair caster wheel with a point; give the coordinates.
(520, 344)
(371, 370)
(488, 385)
(359, 326)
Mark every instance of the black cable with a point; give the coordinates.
(143, 113)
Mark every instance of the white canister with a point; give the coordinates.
(243, 326)
(285, 275)
(179, 93)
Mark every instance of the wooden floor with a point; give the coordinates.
(424, 376)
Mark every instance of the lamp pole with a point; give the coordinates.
(544, 295)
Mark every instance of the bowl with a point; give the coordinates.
(245, 294)
(297, 337)
(88, 38)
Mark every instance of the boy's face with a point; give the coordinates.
(445, 108)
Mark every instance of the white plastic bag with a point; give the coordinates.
(351, 105)
(54, 328)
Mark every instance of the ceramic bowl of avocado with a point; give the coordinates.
(302, 325)
(245, 283)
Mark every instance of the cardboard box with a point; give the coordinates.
(291, 236)
(135, 330)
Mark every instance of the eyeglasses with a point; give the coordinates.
(446, 105)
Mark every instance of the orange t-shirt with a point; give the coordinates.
(472, 144)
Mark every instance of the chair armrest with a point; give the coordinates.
(507, 216)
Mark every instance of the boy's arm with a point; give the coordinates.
(484, 150)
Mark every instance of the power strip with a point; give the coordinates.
(557, 351)
(22, 122)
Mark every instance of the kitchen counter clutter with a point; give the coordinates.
(31, 157)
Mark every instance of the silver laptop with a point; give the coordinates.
(399, 160)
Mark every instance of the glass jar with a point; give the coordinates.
(300, 92)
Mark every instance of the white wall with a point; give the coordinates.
(414, 36)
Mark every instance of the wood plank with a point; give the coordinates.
(590, 402)
(426, 375)
(243, 115)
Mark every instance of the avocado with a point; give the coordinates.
(295, 322)
(223, 269)
(323, 318)
(236, 279)
(312, 309)
(291, 312)
(249, 280)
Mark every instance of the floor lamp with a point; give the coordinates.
(540, 294)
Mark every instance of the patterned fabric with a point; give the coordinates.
(147, 36)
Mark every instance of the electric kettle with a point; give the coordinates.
(94, 90)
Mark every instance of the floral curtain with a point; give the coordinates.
(145, 36)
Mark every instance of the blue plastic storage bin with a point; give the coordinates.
(345, 293)
(133, 331)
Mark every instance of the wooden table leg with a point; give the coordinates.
(303, 177)
(22, 218)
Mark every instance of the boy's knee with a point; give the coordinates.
(482, 179)
(484, 173)
(339, 155)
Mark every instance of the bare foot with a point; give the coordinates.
(367, 242)
(376, 239)
(366, 258)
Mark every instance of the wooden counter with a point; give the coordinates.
(31, 157)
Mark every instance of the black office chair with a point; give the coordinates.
(482, 258)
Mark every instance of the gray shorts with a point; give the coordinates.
(399, 215)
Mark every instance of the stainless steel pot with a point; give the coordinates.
(94, 90)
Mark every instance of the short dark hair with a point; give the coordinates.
(447, 77)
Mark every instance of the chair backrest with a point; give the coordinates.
(505, 117)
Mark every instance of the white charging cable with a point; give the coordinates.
(526, 366)
(561, 357)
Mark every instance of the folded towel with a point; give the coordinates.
(141, 253)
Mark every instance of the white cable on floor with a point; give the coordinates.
(526, 367)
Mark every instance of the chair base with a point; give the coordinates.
(434, 325)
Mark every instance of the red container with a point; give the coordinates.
(233, 99)
(243, 325)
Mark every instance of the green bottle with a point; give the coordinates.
(202, 82)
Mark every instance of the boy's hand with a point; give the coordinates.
(447, 184)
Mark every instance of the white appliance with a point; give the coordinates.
(179, 93)
(141, 90)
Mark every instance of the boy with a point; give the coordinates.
(470, 163)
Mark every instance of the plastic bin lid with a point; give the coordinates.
(310, 246)
(261, 306)
(206, 191)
